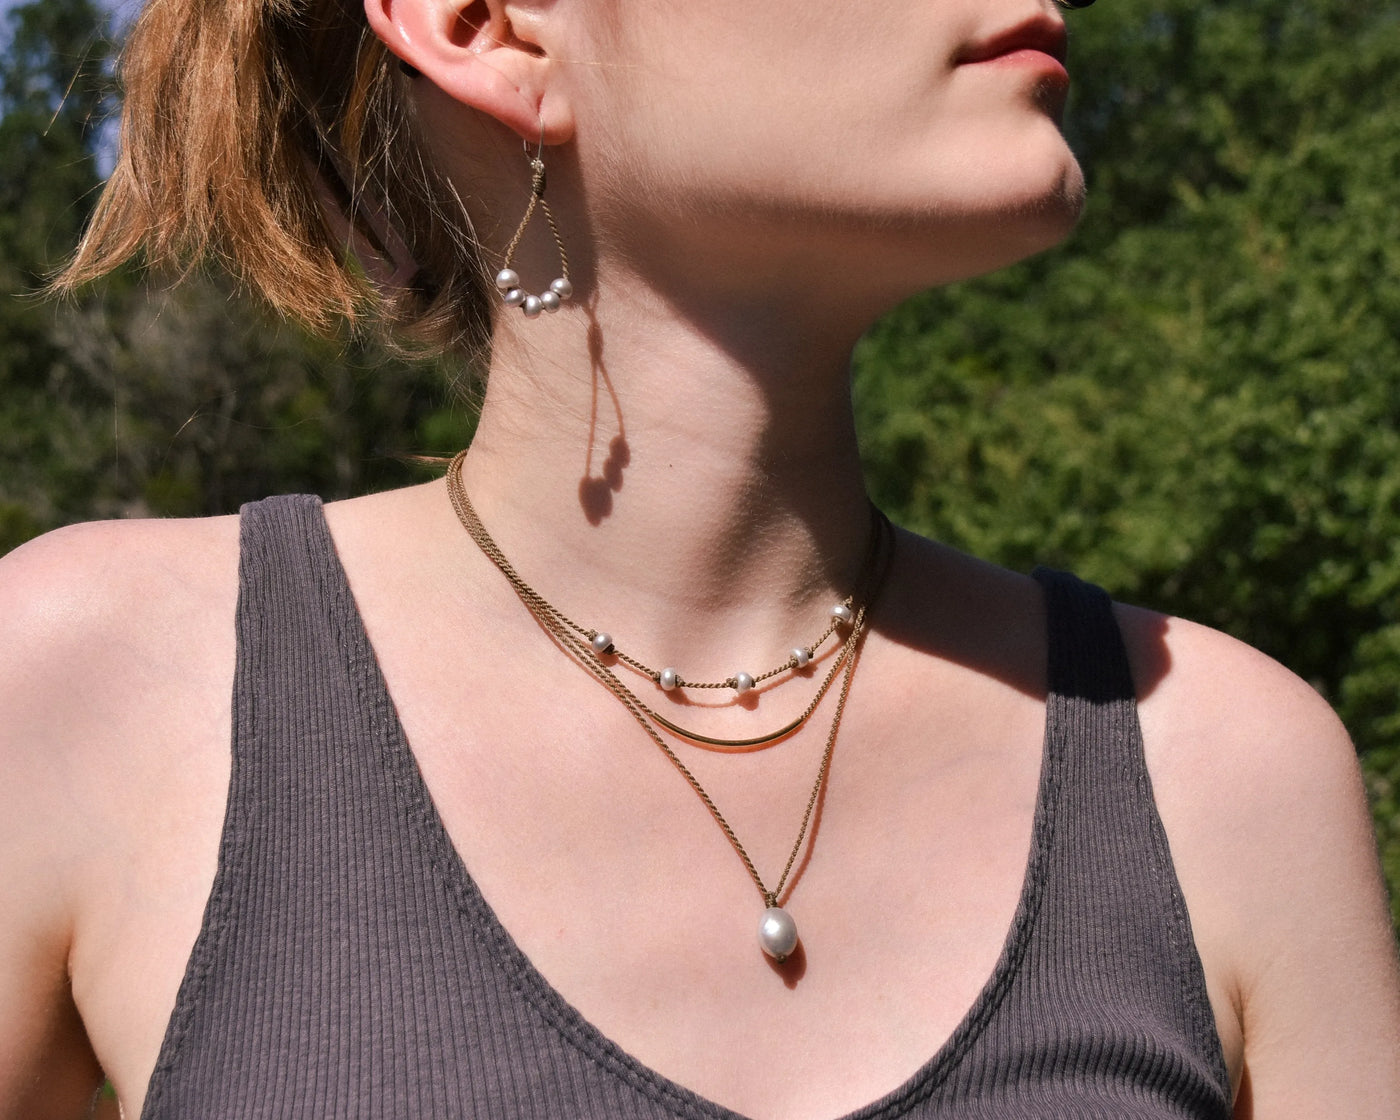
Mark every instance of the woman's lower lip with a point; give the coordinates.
(1029, 58)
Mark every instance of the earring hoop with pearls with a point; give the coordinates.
(508, 280)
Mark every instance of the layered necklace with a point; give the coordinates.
(777, 932)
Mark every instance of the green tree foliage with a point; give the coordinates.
(1197, 401)
(46, 168)
(138, 399)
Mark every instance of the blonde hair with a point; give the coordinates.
(277, 137)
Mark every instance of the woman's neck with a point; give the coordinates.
(692, 482)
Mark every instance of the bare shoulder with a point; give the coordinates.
(116, 652)
(104, 628)
(181, 548)
(1260, 792)
(1248, 743)
(94, 606)
(110, 632)
(122, 553)
(1233, 723)
(92, 611)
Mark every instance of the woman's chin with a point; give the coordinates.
(1047, 217)
(1000, 229)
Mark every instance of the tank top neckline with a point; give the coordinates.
(428, 829)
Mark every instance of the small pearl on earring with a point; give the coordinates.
(601, 642)
(532, 307)
(843, 614)
(507, 279)
(513, 297)
(742, 683)
(668, 679)
(550, 301)
(561, 287)
(800, 657)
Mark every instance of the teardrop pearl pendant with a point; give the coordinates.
(777, 933)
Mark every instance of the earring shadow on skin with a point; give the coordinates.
(595, 492)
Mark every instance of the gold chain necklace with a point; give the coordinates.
(669, 678)
(842, 614)
(777, 930)
(569, 633)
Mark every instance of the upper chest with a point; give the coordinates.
(622, 889)
(604, 868)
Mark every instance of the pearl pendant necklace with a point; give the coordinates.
(777, 932)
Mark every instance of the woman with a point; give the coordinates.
(231, 887)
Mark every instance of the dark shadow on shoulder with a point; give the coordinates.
(972, 613)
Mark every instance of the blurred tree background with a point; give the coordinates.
(1196, 402)
(1193, 403)
(140, 399)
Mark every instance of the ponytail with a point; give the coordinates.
(277, 138)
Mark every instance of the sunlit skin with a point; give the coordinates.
(742, 187)
(734, 258)
(916, 168)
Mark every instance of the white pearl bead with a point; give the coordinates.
(777, 933)
(601, 642)
(532, 307)
(801, 656)
(669, 679)
(513, 297)
(843, 614)
(561, 287)
(742, 683)
(550, 301)
(507, 278)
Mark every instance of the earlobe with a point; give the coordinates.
(472, 52)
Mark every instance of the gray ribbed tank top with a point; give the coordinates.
(347, 966)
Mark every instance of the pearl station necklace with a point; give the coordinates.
(669, 679)
(777, 932)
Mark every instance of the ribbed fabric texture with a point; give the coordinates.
(348, 967)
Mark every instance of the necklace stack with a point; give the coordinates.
(777, 932)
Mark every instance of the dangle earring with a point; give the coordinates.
(508, 280)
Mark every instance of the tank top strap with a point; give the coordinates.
(281, 862)
(1111, 901)
(302, 659)
(347, 966)
(1086, 658)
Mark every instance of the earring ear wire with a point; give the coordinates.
(508, 280)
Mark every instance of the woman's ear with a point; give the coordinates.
(483, 53)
